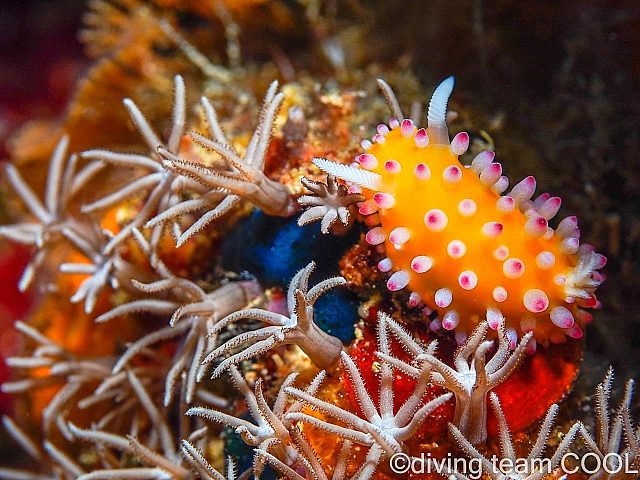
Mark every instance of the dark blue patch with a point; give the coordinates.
(335, 312)
(273, 249)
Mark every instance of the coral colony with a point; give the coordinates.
(221, 352)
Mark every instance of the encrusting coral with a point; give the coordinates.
(480, 271)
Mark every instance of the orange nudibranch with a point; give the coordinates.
(459, 245)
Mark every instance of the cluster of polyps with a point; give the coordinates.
(458, 244)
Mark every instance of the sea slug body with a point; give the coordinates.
(462, 248)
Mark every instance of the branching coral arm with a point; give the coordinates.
(159, 307)
(210, 198)
(63, 460)
(267, 414)
(160, 461)
(443, 375)
(164, 333)
(221, 417)
(246, 337)
(338, 431)
(31, 201)
(470, 450)
(166, 439)
(128, 160)
(137, 473)
(506, 443)
(255, 349)
(22, 438)
(190, 288)
(194, 456)
(52, 214)
(280, 466)
(609, 433)
(312, 389)
(223, 207)
(508, 451)
(322, 287)
(400, 365)
(257, 149)
(505, 371)
(330, 409)
(22, 233)
(603, 393)
(214, 127)
(371, 462)
(420, 416)
(142, 185)
(467, 350)
(253, 314)
(245, 168)
(151, 204)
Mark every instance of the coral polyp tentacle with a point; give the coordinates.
(451, 238)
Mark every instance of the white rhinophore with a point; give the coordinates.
(436, 117)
